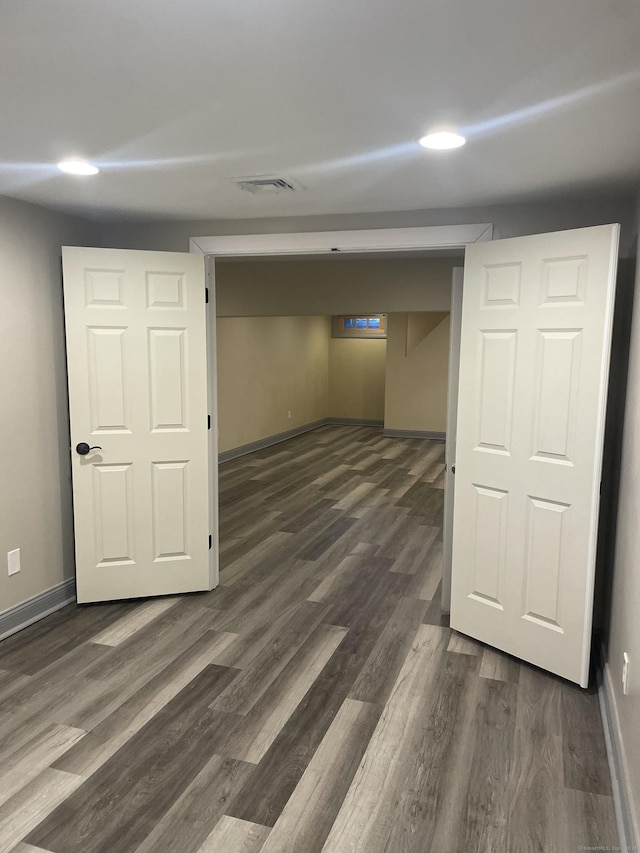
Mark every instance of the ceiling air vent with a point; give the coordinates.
(265, 184)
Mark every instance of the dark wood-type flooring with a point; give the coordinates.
(316, 700)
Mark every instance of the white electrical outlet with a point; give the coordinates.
(289, 415)
(625, 673)
(13, 561)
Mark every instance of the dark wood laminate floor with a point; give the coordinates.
(316, 701)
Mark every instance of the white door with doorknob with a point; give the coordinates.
(137, 371)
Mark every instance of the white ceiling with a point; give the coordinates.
(174, 99)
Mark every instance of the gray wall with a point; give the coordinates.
(35, 493)
(509, 220)
(624, 616)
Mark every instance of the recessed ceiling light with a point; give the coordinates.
(77, 167)
(442, 139)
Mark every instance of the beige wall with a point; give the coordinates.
(624, 624)
(417, 372)
(268, 366)
(333, 286)
(35, 497)
(356, 378)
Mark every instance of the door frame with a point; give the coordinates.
(308, 243)
(455, 339)
(433, 237)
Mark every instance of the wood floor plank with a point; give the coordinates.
(434, 614)
(53, 680)
(378, 675)
(327, 539)
(32, 804)
(329, 584)
(255, 734)
(11, 681)
(375, 498)
(355, 496)
(487, 803)
(243, 535)
(497, 665)
(463, 645)
(232, 835)
(585, 763)
(332, 474)
(413, 552)
(348, 600)
(34, 757)
(308, 516)
(584, 748)
(588, 822)
(133, 621)
(399, 533)
(535, 809)
(427, 577)
(190, 820)
(45, 698)
(277, 775)
(40, 645)
(539, 702)
(264, 668)
(308, 816)
(433, 773)
(366, 816)
(167, 635)
(138, 710)
(252, 606)
(116, 808)
(246, 562)
(98, 698)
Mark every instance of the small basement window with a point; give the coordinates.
(359, 326)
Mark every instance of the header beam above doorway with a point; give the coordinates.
(326, 242)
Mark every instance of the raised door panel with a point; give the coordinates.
(495, 390)
(556, 395)
(168, 379)
(170, 515)
(114, 524)
(546, 553)
(106, 359)
(488, 550)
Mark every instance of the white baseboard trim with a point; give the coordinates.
(415, 433)
(36, 608)
(627, 829)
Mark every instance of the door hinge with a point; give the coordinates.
(210, 541)
(206, 294)
(208, 421)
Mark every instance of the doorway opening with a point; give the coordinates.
(441, 241)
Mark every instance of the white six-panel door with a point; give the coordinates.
(536, 333)
(137, 367)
